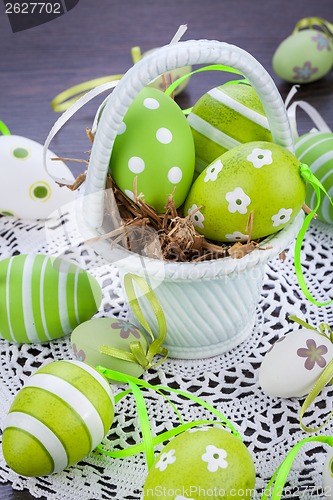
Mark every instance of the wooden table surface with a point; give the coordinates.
(95, 38)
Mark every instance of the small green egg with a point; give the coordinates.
(91, 336)
(303, 57)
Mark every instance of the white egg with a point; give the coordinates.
(328, 475)
(26, 189)
(294, 363)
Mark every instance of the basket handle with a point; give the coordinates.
(160, 61)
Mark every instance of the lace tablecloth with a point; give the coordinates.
(269, 425)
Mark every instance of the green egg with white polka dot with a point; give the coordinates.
(60, 415)
(259, 177)
(202, 463)
(225, 117)
(155, 145)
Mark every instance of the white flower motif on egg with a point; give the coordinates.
(196, 216)
(237, 236)
(215, 458)
(282, 217)
(213, 170)
(260, 157)
(166, 459)
(238, 201)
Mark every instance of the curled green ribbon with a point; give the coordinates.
(149, 442)
(325, 378)
(4, 129)
(313, 23)
(317, 186)
(66, 98)
(280, 476)
(137, 354)
(275, 486)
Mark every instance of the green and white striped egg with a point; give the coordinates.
(43, 298)
(61, 414)
(316, 150)
(224, 118)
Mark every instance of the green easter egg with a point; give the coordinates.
(171, 76)
(258, 177)
(154, 144)
(224, 118)
(43, 298)
(303, 57)
(316, 150)
(89, 337)
(62, 413)
(202, 463)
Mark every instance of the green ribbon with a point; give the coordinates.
(325, 378)
(317, 186)
(149, 442)
(212, 67)
(137, 354)
(313, 23)
(66, 98)
(280, 476)
(4, 129)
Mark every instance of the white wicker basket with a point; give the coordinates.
(209, 306)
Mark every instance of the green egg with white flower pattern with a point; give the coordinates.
(60, 415)
(224, 118)
(93, 341)
(258, 177)
(154, 146)
(202, 463)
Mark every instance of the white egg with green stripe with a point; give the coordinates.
(62, 413)
(316, 150)
(224, 118)
(43, 298)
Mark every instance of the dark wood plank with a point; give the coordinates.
(95, 39)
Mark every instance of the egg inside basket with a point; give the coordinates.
(209, 302)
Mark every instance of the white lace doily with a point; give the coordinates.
(270, 426)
